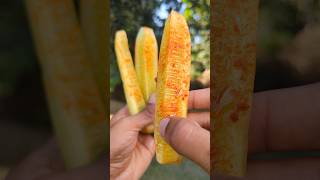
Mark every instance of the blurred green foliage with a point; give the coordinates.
(131, 15)
(279, 21)
(197, 13)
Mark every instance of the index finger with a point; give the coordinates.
(286, 120)
(202, 118)
(199, 99)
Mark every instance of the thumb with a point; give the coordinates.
(188, 139)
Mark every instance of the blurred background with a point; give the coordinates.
(288, 55)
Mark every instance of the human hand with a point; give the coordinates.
(191, 137)
(284, 120)
(131, 151)
(46, 163)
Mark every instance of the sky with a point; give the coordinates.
(162, 13)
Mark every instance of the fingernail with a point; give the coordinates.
(152, 99)
(163, 126)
